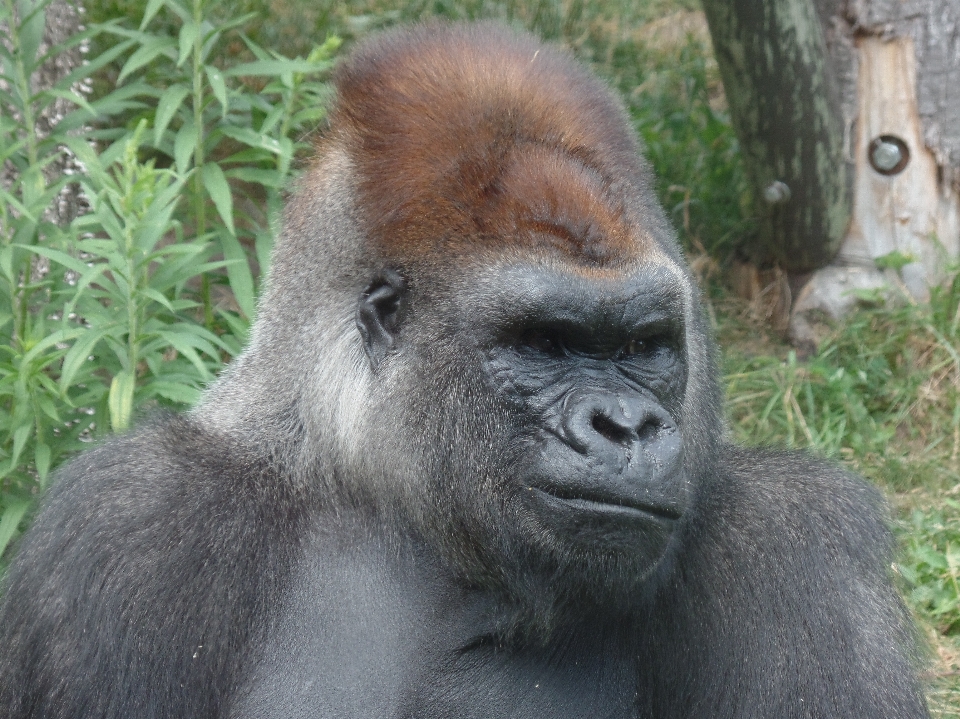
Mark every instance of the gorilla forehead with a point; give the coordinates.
(503, 143)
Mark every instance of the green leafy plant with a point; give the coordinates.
(112, 313)
(127, 283)
(228, 127)
(33, 410)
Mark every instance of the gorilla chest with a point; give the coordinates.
(359, 639)
(354, 672)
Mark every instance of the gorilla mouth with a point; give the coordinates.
(599, 503)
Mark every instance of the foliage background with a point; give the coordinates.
(139, 194)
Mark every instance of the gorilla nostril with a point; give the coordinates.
(609, 429)
(649, 431)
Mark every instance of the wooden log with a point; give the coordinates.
(909, 211)
(854, 105)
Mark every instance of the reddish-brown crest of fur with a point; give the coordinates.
(467, 137)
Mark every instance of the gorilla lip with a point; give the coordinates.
(608, 505)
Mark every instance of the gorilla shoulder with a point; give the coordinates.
(140, 542)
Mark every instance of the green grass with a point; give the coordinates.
(881, 397)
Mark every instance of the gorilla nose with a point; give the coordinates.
(599, 424)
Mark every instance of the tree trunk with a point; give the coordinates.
(785, 107)
(898, 64)
(884, 77)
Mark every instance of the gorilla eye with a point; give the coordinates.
(637, 346)
(542, 341)
(644, 345)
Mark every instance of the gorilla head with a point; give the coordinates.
(499, 343)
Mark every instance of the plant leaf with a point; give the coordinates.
(146, 53)
(120, 400)
(184, 146)
(219, 189)
(239, 274)
(188, 34)
(153, 7)
(218, 85)
(10, 520)
(169, 103)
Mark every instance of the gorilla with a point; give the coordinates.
(472, 463)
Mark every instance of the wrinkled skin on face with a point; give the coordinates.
(599, 379)
(577, 381)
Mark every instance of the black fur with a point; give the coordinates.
(468, 467)
(166, 557)
(124, 600)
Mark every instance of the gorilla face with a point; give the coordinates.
(596, 371)
(531, 336)
(561, 428)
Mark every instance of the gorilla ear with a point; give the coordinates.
(378, 315)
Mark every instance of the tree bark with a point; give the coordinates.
(934, 27)
(785, 108)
